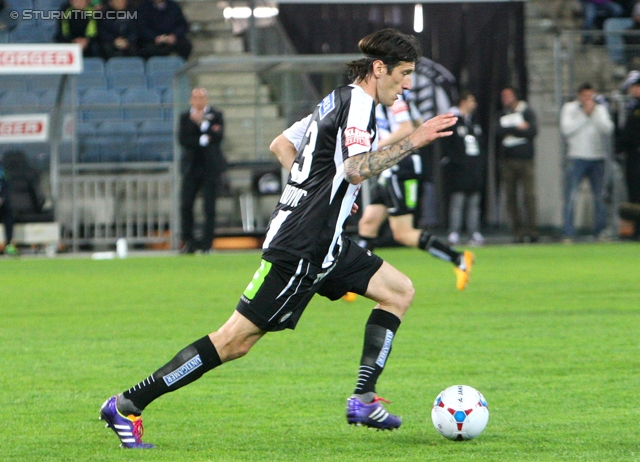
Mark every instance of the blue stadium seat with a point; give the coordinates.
(15, 101)
(88, 80)
(48, 5)
(93, 65)
(156, 127)
(123, 80)
(89, 151)
(167, 96)
(100, 104)
(124, 63)
(141, 104)
(155, 148)
(86, 128)
(117, 140)
(28, 33)
(115, 148)
(167, 112)
(48, 99)
(13, 82)
(20, 5)
(117, 127)
(164, 64)
(48, 29)
(161, 80)
(43, 82)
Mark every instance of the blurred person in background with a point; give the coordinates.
(594, 9)
(629, 142)
(585, 125)
(118, 30)
(516, 128)
(6, 215)
(464, 170)
(162, 29)
(396, 197)
(201, 132)
(77, 25)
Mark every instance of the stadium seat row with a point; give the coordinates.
(97, 103)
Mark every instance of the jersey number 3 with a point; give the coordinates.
(299, 173)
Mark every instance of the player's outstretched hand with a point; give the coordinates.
(433, 129)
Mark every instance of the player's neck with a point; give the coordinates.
(369, 87)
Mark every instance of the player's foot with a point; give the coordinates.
(129, 429)
(371, 414)
(11, 250)
(464, 269)
(350, 297)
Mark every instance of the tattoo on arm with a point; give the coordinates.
(363, 166)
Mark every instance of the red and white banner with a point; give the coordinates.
(24, 128)
(61, 58)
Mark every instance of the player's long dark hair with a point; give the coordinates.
(389, 45)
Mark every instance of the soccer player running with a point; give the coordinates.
(396, 197)
(305, 251)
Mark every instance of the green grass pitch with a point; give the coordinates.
(548, 333)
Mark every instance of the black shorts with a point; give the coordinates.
(401, 195)
(284, 284)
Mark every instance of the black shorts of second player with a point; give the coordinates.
(401, 196)
(284, 284)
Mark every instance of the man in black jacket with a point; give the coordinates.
(629, 141)
(162, 29)
(516, 128)
(118, 30)
(6, 215)
(201, 131)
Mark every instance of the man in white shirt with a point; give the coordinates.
(585, 124)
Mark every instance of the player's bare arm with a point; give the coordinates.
(359, 168)
(284, 150)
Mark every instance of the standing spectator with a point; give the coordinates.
(162, 29)
(77, 25)
(630, 141)
(201, 132)
(591, 10)
(464, 169)
(6, 215)
(117, 30)
(516, 128)
(585, 124)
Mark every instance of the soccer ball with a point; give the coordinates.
(460, 413)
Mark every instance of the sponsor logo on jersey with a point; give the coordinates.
(327, 105)
(182, 371)
(353, 135)
(291, 195)
(386, 348)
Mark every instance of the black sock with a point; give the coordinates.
(186, 367)
(378, 336)
(366, 242)
(438, 249)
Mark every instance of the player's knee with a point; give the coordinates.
(405, 293)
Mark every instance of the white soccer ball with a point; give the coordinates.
(460, 413)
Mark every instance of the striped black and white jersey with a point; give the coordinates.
(309, 219)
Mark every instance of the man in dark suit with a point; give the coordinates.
(201, 132)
